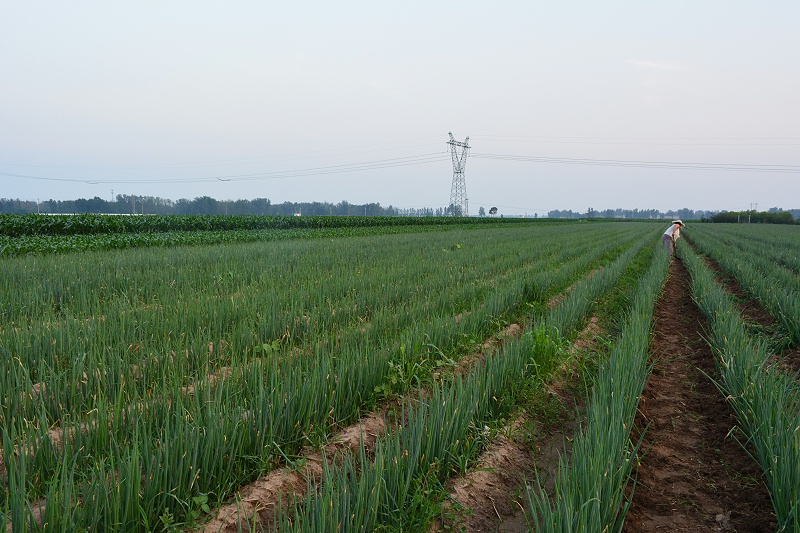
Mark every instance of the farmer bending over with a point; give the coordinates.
(672, 234)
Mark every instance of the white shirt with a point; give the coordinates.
(673, 230)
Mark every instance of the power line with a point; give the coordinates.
(647, 141)
(328, 152)
(286, 174)
(731, 167)
(421, 159)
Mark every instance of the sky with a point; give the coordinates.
(567, 105)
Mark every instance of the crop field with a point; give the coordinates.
(26, 234)
(155, 372)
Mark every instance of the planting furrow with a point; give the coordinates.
(488, 497)
(589, 488)
(750, 309)
(691, 476)
(484, 498)
(765, 399)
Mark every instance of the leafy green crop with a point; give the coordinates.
(145, 379)
(91, 224)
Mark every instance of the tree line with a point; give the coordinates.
(683, 214)
(205, 205)
(757, 217)
(775, 215)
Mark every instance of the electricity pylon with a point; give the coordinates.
(458, 192)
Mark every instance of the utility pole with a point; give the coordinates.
(458, 191)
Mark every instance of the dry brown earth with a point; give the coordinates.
(694, 476)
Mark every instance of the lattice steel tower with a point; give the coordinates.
(458, 192)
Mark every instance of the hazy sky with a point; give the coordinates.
(331, 101)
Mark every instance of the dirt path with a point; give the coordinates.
(694, 476)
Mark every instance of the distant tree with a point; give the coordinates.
(126, 204)
(17, 206)
(286, 208)
(260, 206)
(93, 205)
(204, 205)
(556, 213)
(342, 208)
(373, 209)
(183, 207)
(316, 208)
(685, 214)
(454, 210)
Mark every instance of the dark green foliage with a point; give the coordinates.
(41, 234)
(752, 217)
(90, 224)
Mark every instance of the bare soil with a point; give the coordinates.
(791, 361)
(486, 495)
(694, 475)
